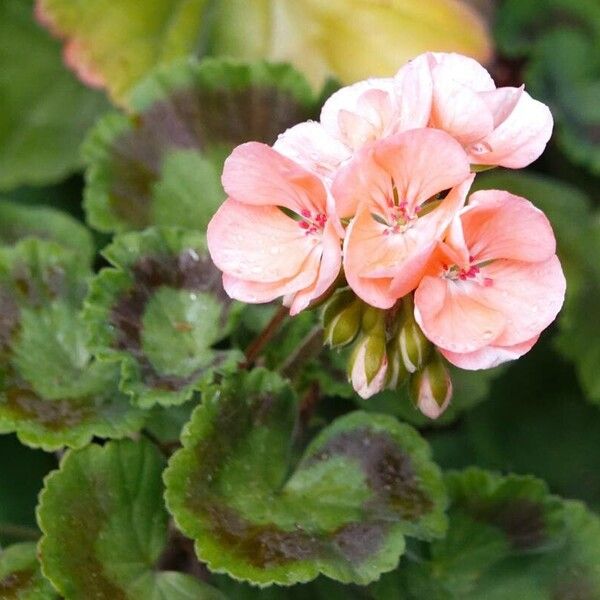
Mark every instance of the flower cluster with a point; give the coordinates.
(373, 201)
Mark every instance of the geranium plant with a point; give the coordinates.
(319, 320)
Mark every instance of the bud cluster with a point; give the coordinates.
(389, 350)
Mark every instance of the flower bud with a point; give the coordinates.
(397, 374)
(431, 388)
(368, 362)
(411, 345)
(342, 319)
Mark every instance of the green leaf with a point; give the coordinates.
(45, 110)
(18, 222)
(20, 576)
(158, 313)
(551, 432)
(508, 538)
(161, 164)
(577, 230)
(361, 485)
(52, 392)
(114, 45)
(562, 41)
(522, 23)
(105, 527)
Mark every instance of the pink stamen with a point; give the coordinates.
(312, 223)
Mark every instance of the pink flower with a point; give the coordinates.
(273, 236)
(497, 126)
(390, 190)
(494, 284)
(359, 114)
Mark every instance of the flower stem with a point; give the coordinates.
(256, 346)
(20, 532)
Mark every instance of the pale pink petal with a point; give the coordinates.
(519, 139)
(458, 109)
(501, 102)
(391, 259)
(452, 319)
(364, 232)
(256, 174)
(257, 243)
(313, 148)
(413, 88)
(488, 357)
(465, 70)
(329, 269)
(498, 224)
(422, 162)
(529, 295)
(359, 113)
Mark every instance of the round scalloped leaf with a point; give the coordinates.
(105, 527)
(52, 392)
(18, 222)
(114, 45)
(508, 538)
(158, 313)
(361, 485)
(41, 101)
(161, 165)
(20, 575)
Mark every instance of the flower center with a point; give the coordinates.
(399, 216)
(312, 222)
(472, 273)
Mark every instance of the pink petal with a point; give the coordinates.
(364, 232)
(501, 102)
(256, 174)
(413, 88)
(501, 225)
(313, 148)
(465, 70)
(422, 162)
(488, 357)
(454, 320)
(359, 113)
(458, 109)
(329, 269)
(255, 292)
(529, 295)
(258, 243)
(519, 139)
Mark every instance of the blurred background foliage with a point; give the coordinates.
(113, 73)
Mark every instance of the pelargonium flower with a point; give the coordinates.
(273, 236)
(359, 114)
(494, 284)
(497, 126)
(389, 191)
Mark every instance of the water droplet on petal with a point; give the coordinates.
(487, 334)
(480, 148)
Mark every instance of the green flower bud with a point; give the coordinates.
(396, 375)
(368, 365)
(431, 387)
(342, 319)
(368, 362)
(412, 346)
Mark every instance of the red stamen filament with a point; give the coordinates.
(312, 223)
